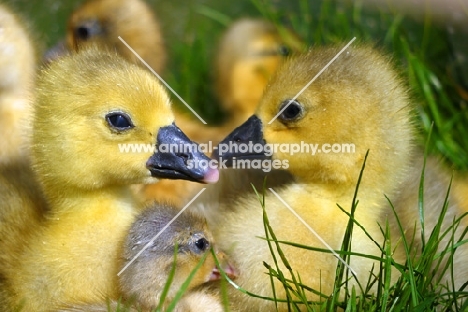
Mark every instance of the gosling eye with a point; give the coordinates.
(293, 112)
(198, 243)
(283, 50)
(82, 32)
(88, 29)
(119, 121)
(202, 244)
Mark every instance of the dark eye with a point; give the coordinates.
(202, 244)
(283, 50)
(82, 33)
(88, 29)
(292, 112)
(119, 121)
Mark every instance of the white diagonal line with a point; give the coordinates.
(162, 80)
(313, 79)
(160, 232)
(313, 232)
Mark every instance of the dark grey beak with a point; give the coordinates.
(177, 157)
(58, 50)
(244, 142)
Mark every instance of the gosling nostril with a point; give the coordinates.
(185, 157)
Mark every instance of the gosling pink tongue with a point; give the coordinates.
(211, 175)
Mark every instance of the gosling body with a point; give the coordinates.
(359, 100)
(87, 104)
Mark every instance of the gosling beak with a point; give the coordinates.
(226, 267)
(244, 142)
(58, 50)
(177, 157)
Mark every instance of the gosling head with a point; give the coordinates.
(146, 276)
(359, 101)
(249, 53)
(101, 22)
(97, 121)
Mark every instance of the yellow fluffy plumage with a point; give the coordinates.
(17, 69)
